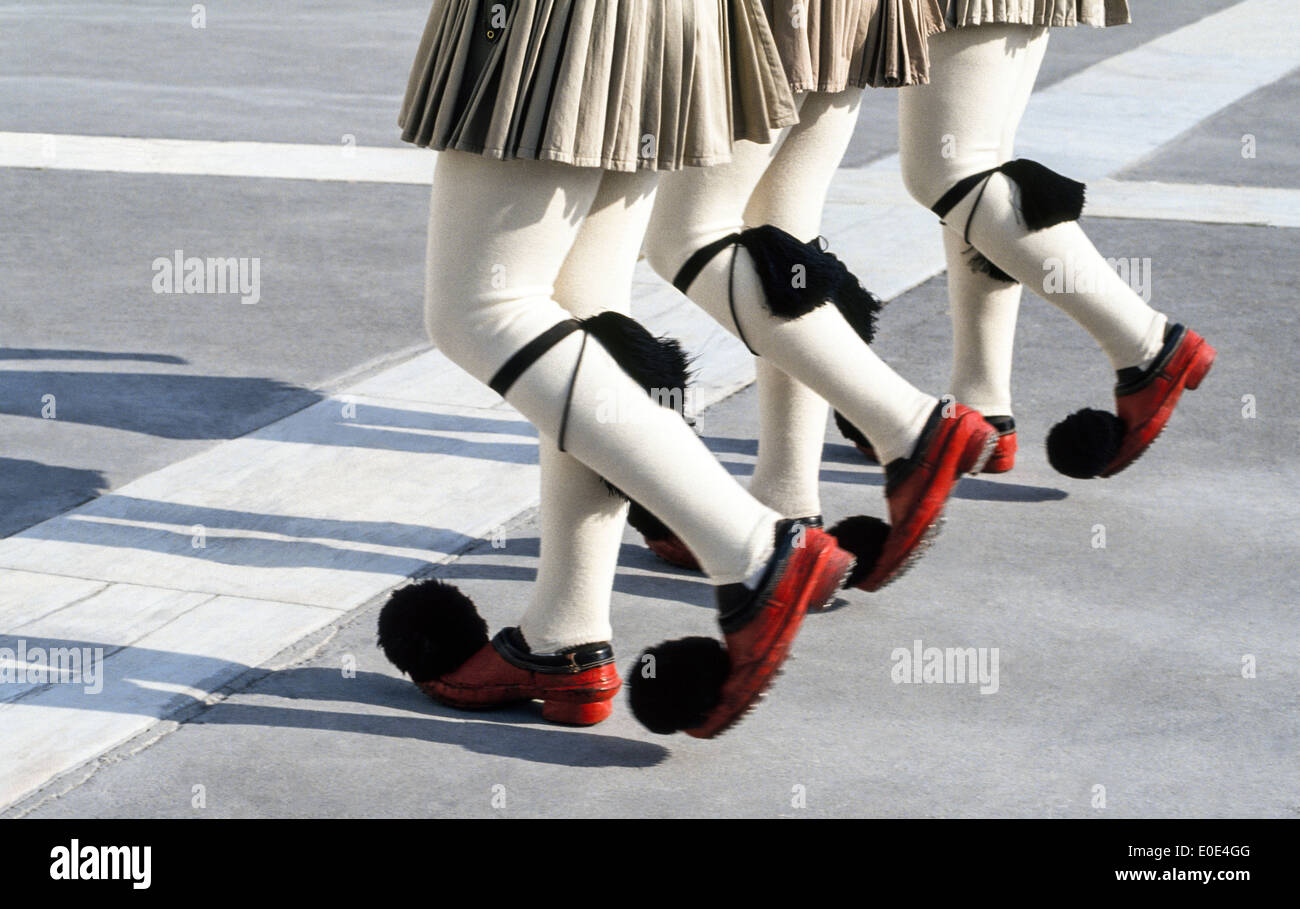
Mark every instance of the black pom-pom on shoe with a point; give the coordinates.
(430, 629)
(676, 684)
(864, 537)
(1084, 443)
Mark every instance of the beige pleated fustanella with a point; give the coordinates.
(616, 84)
(1052, 13)
(831, 45)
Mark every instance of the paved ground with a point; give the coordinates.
(1119, 667)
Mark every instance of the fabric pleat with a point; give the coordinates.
(1053, 13)
(615, 84)
(831, 45)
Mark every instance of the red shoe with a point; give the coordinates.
(432, 632)
(759, 627)
(700, 687)
(1146, 401)
(576, 686)
(918, 487)
(1002, 459)
(1004, 453)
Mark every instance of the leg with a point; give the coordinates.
(497, 248)
(983, 311)
(958, 125)
(791, 194)
(798, 307)
(498, 238)
(581, 521)
(695, 208)
(956, 135)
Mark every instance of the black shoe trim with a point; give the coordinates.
(510, 643)
(737, 604)
(898, 470)
(1004, 425)
(1131, 379)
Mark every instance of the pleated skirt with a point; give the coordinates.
(831, 45)
(1054, 13)
(616, 84)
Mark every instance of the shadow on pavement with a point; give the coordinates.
(31, 491)
(501, 732)
(504, 733)
(166, 405)
(99, 525)
(41, 353)
(190, 407)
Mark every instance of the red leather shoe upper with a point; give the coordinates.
(488, 679)
(811, 574)
(1146, 409)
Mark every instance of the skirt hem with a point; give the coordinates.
(559, 156)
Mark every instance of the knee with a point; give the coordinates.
(925, 180)
(437, 311)
(665, 253)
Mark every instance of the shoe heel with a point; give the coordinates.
(572, 714)
(978, 451)
(1204, 360)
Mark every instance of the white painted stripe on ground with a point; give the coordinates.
(276, 160)
(1123, 108)
(321, 511)
(1090, 125)
(1155, 201)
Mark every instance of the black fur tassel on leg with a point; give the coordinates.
(430, 629)
(1046, 197)
(980, 264)
(656, 364)
(659, 365)
(674, 685)
(798, 277)
(1084, 443)
(864, 537)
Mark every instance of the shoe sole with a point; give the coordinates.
(832, 567)
(580, 707)
(675, 553)
(1202, 360)
(925, 535)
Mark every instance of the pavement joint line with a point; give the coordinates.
(103, 585)
(213, 594)
(1208, 39)
(110, 651)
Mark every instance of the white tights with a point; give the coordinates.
(513, 250)
(964, 122)
(785, 184)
